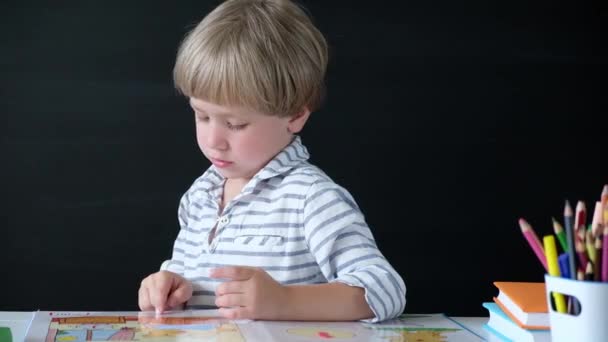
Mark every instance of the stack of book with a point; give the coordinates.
(519, 312)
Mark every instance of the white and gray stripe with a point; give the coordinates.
(291, 220)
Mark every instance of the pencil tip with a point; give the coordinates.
(567, 209)
(525, 226)
(580, 205)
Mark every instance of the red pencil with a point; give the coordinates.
(580, 216)
(534, 242)
(579, 246)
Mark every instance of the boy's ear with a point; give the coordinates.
(297, 122)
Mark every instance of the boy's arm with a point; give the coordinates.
(346, 251)
(325, 302)
(176, 263)
(251, 293)
(167, 288)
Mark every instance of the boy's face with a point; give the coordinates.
(239, 141)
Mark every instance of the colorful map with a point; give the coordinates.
(206, 325)
(92, 327)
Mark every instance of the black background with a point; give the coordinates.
(447, 121)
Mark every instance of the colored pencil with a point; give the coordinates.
(551, 256)
(604, 261)
(570, 239)
(604, 201)
(561, 235)
(590, 245)
(533, 241)
(597, 266)
(605, 254)
(579, 246)
(589, 271)
(580, 275)
(580, 216)
(596, 222)
(564, 265)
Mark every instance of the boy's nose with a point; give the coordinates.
(216, 138)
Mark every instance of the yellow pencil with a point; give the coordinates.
(551, 255)
(590, 244)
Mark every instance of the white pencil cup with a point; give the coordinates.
(591, 323)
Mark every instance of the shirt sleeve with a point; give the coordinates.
(346, 251)
(176, 263)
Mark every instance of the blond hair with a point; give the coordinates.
(261, 54)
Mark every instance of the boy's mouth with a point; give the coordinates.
(220, 163)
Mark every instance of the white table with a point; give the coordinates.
(18, 322)
(475, 324)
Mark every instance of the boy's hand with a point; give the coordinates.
(163, 291)
(251, 293)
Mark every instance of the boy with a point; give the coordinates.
(264, 234)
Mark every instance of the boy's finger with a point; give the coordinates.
(235, 313)
(158, 301)
(158, 295)
(229, 287)
(179, 296)
(233, 272)
(144, 299)
(230, 300)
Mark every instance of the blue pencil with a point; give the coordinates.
(564, 265)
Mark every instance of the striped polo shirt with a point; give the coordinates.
(292, 221)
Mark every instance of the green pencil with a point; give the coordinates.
(561, 235)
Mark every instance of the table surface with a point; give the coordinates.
(17, 321)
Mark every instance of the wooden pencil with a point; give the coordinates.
(580, 275)
(533, 241)
(604, 201)
(597, 267)
(596, 222)
(605, 254)
(551, 256)
(604, 249)
(568, 218)
(580, 216)
(579, 246)
(590, 245)
(560, 233)
(589, 271)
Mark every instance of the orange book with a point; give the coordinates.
(525, 303)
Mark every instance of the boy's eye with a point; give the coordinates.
(235, 127)
(202, 118)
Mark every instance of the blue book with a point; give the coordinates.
(505, 329)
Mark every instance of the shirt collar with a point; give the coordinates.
(291, 156)
(295, 153)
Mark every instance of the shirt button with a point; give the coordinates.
(224, 220)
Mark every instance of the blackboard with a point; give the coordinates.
(446, 121)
